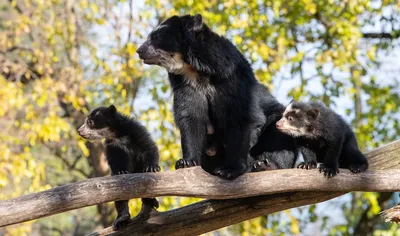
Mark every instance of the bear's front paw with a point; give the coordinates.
(182, 163)
(357, 168)
(260, 165)
(229, 173)
(307, 165)
(121, 221)
(152, 168)
(329, 172)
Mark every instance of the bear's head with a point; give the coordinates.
(98, 124)
(299, 120)
(168, 43)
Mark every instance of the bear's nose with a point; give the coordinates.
(80, 130)
(140, 50)
(279, 124)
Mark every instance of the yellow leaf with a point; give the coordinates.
(82, 146)
(94, 7)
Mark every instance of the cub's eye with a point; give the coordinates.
(90, 122)
(290, 118)
(156, 37)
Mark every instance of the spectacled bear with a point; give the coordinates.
(211, 81)
(324, 135)
(129, 149)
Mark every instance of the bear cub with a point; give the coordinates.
(129, 149)
(323, 136)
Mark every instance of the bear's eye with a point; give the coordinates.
(156, 37)
(290, 118)
(90, 123)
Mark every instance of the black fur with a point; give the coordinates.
(129, 149)
(274, 150)
(323, 136)
(209, 76)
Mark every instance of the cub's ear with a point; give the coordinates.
(313, 113)
(292, 101)
(112, 110)
(197, 22)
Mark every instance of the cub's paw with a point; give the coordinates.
(121, 221)
(329, 172)
(229, 173)
(123, 172)
(182, 163)
(151, 202)
(357, 168)
(260, 165)
(307, 165)
(152, 168)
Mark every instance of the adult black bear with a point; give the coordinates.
(212, 80)
(129, 149)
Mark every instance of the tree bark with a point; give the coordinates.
(195, 182)
(217, 214)
(209, 215)
(392, 214)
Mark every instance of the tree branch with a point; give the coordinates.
(14, 48)
(209, 215)
(391, 215)
(379, 36)
(195, 182)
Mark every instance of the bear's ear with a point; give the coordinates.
(197, 22)
(112, 110)
(313, 113)
(292, 101)
(175, 20)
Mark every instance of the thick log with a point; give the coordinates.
(210, 215)
(196, 183)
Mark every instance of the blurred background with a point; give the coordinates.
(61, 58)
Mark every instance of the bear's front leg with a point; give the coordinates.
(193, 140)
(237, 146)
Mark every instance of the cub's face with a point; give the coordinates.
(97, 124)
(297, 120)
(165, 44)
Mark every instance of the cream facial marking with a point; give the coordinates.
(95, 134)
(288, 109)
(175, 64)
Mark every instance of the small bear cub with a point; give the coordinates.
(322, 136)
(129, 149)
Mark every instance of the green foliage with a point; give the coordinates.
(61, 58)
